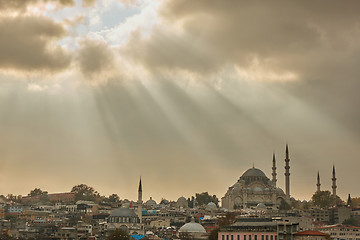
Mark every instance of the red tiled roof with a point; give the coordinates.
(311, 233)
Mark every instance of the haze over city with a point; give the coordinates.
(186, 94)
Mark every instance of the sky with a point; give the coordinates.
(186, 94)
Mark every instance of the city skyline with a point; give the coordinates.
(188, 95)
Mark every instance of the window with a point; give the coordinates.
(232, 237)
(244, 237)
(227, 237)
(275, 237)
(255, 237)
(267, 237)
(222, 237)
(238, 237)
(271, 237)
(262, 237)
(249, 237)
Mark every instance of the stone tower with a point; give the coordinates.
(139, 201)
(274, 171)
(287, 173)
(333, 182)
(318, 182)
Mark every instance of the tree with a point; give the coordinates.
(37, 192)
(355, 202)
(118, 234)
(114, 198)
(227, 220)
(204, 198)
(324, 199)
(84, 192)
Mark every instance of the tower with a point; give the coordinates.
(287, 173)
(139, 201)
(274, 171)
(318, 182)
(333, 182)
(349, 201)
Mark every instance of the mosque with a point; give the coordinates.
(254, 189)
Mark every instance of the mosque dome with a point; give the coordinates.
(181, 199)
(150, 202)
(253, 172)
(192, 227)
(182, 202)
(211, 206)
(261, 206)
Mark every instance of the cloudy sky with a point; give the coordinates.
(187, 94)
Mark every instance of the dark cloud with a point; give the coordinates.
(314, 42)
(95, 59)
(28, 44)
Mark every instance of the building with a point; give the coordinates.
(126, 218)
(311, 235)
(249, 229)
(341, 232)
(254, 187)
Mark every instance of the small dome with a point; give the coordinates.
(257, 189)
(150, 202)
(123, 212)
(182, 202)
(253, 172)
(279, 191)
(261, 206)
(192, 227)
(211, 206)
(181, 199)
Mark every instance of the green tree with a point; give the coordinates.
(204, 198)
(323, 199)
(118, 234)
(227, 220)
(84, 192)
(114, 198)
(37, 192)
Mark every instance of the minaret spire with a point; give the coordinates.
(287, 173)
(139, 201)
(318, 182)
(274, 171)
(334, 182)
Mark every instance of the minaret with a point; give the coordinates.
(287, 173)
(318, 182)
(349, 201)
(139, 202)
(333, 182)
(274, 171)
